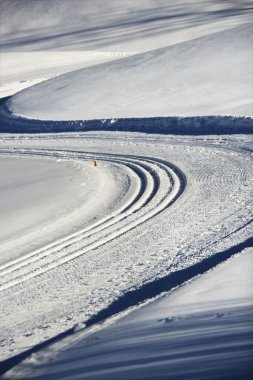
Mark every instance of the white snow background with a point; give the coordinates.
(142, 263)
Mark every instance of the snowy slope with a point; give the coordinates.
(112, 25)
(19, 70)
(206, 76)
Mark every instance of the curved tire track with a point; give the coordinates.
(159, 185)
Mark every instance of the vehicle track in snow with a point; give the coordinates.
(157, 185)
(210, 222)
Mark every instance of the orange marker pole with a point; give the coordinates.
(94, 162)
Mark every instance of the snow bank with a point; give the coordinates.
(210, 221)
(195, 125)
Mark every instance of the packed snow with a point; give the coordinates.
(138, 267)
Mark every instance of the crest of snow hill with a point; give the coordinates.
(191, 125)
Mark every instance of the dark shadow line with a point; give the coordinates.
(176, 125)
(165, 284)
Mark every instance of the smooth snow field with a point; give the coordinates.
(210, 75)
(126, 197)
(45, 199)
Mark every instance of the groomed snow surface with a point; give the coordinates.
(194, 58)
(44, 199)
(146, 238)
(138, 267)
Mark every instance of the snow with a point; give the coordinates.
(34, 194)
(112, 25)
(197, 58)
(20, 70)
(86, 275)
(192, 331)
(138, 266)
(211, 75)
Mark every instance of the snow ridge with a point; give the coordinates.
(178, 125)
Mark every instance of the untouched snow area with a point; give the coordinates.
(125, 25)
(198, 58)
(210, 75)
(201, 320)
(138, 267)
(19, 70)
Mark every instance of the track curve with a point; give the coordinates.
(160, 183)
